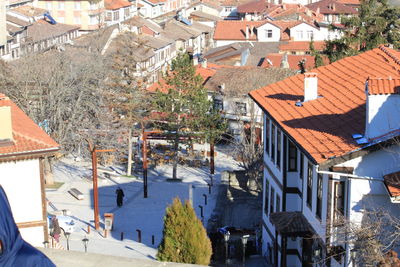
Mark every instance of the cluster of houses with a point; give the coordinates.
(328, 134)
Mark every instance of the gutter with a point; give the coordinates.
(29, 153)
(350, 176)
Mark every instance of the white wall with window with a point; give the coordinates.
(304, 32)
(268, 33)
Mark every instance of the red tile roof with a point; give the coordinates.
(259, 6)
(293, 61)
(392, 182)
(350, 2)
(331, 7)
(301, 46)
(324, 127)
(28, 137)
(116, 4)
(383, 86)
(235, 30)
(287, 10)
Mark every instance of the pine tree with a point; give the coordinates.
(184, 107)
(377, 23)
(184, 238)
(318, 62)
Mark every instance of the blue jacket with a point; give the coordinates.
(15, 251)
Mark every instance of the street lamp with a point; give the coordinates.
(244, 243)
(85, 243)
(226, 238)
(67, 234)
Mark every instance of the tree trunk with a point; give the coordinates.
(212, 166)
(129, 167)
(175, 166)
(48, 172)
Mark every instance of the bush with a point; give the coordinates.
(184, 238)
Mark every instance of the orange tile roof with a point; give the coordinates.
(293, 61)
(235, 29)
(331, 7)
(116, 4)
(350, 2)
(383, 86)
(28, 137)
(392, 182)
(301, 46)
(324, 127)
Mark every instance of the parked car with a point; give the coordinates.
(67, 224)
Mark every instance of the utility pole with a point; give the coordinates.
(94, 151)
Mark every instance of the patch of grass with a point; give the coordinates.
(56, 185)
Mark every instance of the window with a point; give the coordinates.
(127, 12)
(338, 201)
(266, 197)
(77, 5)
(292, 153)
(299, 34)
(273, 143)
(116, 15)
(272, 200)
(108, 16)
(268, 33)
(309, 185)
(278, 148)
(241, 108)
(218, 104)
(278, 203)
(301, 172)
(319, 196)
(310, 35)
(61, 5)
(267, 133)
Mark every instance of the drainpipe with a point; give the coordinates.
(350, 176)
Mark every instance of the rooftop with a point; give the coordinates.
(29, 11)
(258, 6)
(301, 46)
(42, 30)
(275, 59)
(324, 127)
(383, 86)
(392, 182)
(116, 4)
(331, 7)
(204, 16)
(28, 137)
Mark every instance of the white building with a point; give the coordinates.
(324, 160)
(118, 11)
(23, 148)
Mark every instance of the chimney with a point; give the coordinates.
(318, 11)
(251, 30)
(6, 136)
(3, 29)
(247, 32)
(333, 7)
(310, 86)
(284, 62)
(204, 63)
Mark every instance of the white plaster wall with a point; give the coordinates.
(382, 114)
(21, 182)
(261, 33)
(305, 28)
(367, 193)
(33, 235)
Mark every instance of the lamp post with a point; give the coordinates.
(67, 234)
(85, 243)
(244, 243)
(226, 238)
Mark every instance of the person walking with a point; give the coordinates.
(56, 228)
(120, 196)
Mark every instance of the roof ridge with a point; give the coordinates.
(391, 55)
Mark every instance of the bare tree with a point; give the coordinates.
(126, 92)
